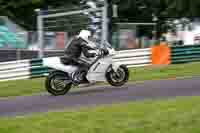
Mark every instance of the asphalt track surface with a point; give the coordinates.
(100, 96)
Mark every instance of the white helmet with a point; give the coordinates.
(84, 34)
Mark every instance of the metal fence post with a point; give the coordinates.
(40, 34)
(105, 22)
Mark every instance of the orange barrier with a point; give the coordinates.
(160, 54)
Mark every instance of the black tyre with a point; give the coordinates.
(119, 78)
(56, 83)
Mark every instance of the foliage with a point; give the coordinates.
(162, 8)
(22, 11)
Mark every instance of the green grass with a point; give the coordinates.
(21, 87)
(180, 115)
(165, 72)
(32, 86)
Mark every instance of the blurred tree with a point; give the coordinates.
(22, 11)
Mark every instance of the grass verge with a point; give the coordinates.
(32, 86)
(179, 115)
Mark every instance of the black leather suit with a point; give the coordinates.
(73, 52)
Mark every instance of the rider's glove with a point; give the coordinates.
(102, 52)
(98, 53)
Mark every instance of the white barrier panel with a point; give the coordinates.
(134, 60)
(132, 54)
(134, 50)
(14, 66)
(16, 78)
(127, 55)
(15, 70)
(13, 62)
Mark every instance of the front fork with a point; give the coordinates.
(115, 66)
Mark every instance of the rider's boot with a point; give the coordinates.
(75, 79)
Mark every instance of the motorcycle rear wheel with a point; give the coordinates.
(55, 83)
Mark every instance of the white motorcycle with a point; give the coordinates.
(102, 69)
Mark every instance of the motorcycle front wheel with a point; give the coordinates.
(118, 78)
(57, 83)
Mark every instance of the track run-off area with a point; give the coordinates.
(100, 95)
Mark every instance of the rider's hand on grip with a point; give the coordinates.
(102, 52)
(99, 53)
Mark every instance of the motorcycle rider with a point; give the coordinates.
(72, 53)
